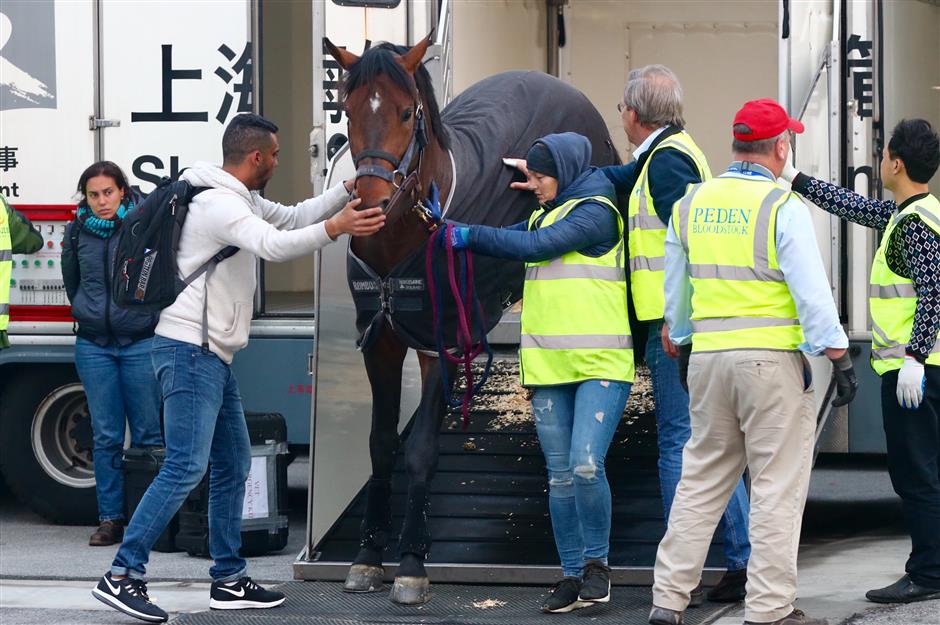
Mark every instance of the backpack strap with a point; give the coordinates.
(207, 268)
(225, 252)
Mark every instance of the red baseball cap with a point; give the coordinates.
(766, 119)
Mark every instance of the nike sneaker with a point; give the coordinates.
(243, 594)
(128, 596)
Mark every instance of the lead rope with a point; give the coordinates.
(466, 300)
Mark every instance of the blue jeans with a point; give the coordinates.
(204, 423)
(674, 430)
(122, 390)
(575, 424)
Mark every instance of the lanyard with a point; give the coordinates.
(744, 168)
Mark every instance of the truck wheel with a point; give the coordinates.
(46, 447)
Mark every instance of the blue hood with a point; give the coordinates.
(576, 178)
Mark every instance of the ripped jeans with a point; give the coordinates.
(575, 424)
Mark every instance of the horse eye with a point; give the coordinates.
(406, 115)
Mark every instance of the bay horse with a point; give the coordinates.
(401, 144)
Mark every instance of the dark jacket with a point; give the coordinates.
(670, 173)
(591, 228)
(86, 271)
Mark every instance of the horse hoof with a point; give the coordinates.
(364, 578)
(411, 590)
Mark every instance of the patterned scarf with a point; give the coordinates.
(103, 228)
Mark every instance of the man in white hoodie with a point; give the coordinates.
(203, 416)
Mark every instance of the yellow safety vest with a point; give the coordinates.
(6, 267)
(647, 232)
(740, 299)
(893, 300)
(575, 325)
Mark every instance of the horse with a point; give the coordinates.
(402, 145)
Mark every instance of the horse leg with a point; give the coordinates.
(384, 367)
(411, 582)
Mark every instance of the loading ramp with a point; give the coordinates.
(489, 499)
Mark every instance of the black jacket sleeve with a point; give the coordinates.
(670, 174)
(70, 271)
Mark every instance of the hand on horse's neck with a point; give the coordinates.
(400, 238)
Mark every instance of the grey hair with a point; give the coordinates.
(761, 146)
(655, 94)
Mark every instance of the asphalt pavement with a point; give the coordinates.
(853, 540)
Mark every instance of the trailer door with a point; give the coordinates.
(170, 82)
(47, 95)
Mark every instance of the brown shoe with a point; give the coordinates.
(796, 617)
(108, 533)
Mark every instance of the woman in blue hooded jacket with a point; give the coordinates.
(575, 349)
(112, 347)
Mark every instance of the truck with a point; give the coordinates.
(151, 85)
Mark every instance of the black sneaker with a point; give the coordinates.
(595, 582)
(563, 597)
(731, 589)
(243, 594)
(128, 596)
(903, 591)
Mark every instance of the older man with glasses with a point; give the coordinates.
(666, 161)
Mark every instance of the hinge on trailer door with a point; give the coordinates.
(310, 365)
(94, 123)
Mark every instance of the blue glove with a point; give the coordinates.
(459, 237)
(433, 202)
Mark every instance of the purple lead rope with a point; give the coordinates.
(465, 300)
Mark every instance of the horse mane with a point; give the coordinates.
(378, 60)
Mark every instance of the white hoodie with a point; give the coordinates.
(229, 214)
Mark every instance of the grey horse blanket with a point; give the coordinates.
(499, 116)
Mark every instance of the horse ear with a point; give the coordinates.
(344, 57)
(411, 59)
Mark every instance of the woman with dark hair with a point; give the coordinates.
(112, 349)
(576, 349)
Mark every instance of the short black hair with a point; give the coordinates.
(917, 145)
(246, 133)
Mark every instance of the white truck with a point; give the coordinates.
(150, 85)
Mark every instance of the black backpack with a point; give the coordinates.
(145, 275)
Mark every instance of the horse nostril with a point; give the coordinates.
(384, 205)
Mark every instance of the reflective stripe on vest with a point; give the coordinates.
(647, 233)
(740, 299)
(893, 298)
(556, 270)
(6, 266)
(577, 341)
(574, 314)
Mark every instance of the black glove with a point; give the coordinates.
(684, 352)
(846, 382)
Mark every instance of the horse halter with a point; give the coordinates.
(409, 185)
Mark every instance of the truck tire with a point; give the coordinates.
(46, 446)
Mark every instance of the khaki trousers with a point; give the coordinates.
(748, 408)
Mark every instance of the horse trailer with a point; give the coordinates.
(151, 85)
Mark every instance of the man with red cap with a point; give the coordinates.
(746, 297)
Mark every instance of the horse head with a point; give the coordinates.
(390, 106)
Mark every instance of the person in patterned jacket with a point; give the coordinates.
(905, 281)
